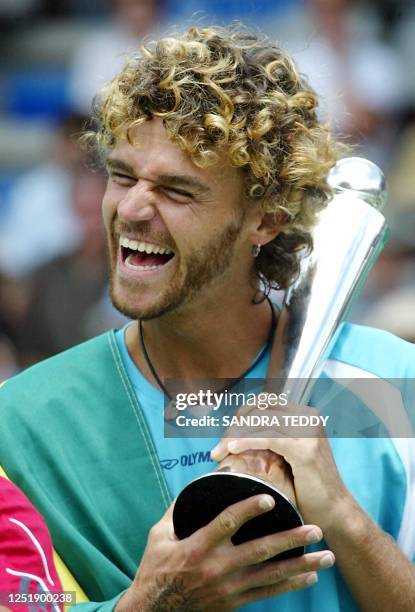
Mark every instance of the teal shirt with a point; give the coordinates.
(182, 459)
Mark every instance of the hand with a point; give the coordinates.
(319, 490)
(206, 571)
(263, 464)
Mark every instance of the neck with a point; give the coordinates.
(215, 340)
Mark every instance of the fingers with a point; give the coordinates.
(286, 430)
(297, 583)
(267, 547)
(221, 450)
(277, 571)
(277, 445)
(235, 446)
(227, 523)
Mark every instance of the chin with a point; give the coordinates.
(129, 307)
(126, 302)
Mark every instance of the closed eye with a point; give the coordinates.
(178, 194)
(121, 178)
(127, 180)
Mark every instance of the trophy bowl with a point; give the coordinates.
(212, 493)
(237, 478)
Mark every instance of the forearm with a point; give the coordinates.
(166, 596)
(376, 571)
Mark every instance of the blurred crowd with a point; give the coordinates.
(357, 54)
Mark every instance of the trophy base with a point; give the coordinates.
(206, 497)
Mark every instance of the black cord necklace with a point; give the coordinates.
(243, 375)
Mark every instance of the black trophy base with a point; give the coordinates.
(206, 497)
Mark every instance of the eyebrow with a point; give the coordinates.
(174, 180)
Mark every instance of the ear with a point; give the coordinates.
(266, 228)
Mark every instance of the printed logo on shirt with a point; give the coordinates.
(187, 460)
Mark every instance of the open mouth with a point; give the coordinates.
(143, 255)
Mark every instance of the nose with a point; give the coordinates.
(138, 204)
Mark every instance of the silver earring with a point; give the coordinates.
(256, 249)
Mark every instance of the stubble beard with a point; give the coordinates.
(203, 268)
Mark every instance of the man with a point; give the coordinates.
(217, 165)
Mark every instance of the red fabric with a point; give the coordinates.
(18, 551)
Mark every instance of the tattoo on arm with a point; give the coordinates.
(172, 596)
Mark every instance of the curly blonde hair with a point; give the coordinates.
(227, 89)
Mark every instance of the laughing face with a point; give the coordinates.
(175, 232)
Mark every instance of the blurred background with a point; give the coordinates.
(358, 55)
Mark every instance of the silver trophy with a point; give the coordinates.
(348, 237)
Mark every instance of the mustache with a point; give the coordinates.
(120, 227)
(141, 229)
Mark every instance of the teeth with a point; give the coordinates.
(142, 247)
(134, 267)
